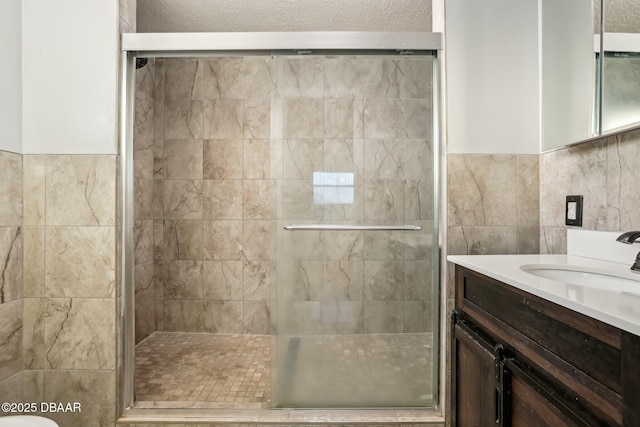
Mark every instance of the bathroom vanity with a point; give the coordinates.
(533, 351)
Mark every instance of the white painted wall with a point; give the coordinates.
(493, 76)
(69, 71)
(10, 76)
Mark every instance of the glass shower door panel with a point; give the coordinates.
(355, 302)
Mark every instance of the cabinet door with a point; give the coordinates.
(532, 404)
(475, 387)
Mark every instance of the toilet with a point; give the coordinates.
(26, 421)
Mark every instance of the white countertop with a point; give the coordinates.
(616, 308)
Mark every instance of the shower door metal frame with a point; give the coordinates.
(152, 45)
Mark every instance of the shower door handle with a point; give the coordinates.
(335, 227)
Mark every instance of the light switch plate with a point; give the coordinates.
(573, 211)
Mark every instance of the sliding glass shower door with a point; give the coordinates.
(316, 200)
(356, 299)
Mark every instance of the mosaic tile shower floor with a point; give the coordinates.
(354, 371)
(178, 369)
(182, 370)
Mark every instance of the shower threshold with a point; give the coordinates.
(427, 416)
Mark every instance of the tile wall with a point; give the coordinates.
(236, 142)
(484, 191)
(370, 118)
(69, 284)
(493, 205)
(12, 321)
(143, 157)
(214, 198)
(605, 173)
(127, 15)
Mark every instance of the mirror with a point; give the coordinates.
(621, 66)
(578, 101)
(568, 72)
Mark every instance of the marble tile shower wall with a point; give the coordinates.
(143, 153)
(69, 284)
(371, 119)
(604, 171)
(11, 301)
(493, 205)
(213, 198)
(237, 142)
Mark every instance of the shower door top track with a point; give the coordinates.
(165, 43)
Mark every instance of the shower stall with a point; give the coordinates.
(280, 218)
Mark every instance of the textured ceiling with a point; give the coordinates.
(622, 16)
(283, 15)
(321, 15)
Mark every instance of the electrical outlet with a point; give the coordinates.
(573, 211)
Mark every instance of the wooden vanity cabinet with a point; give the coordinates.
(520, 360)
